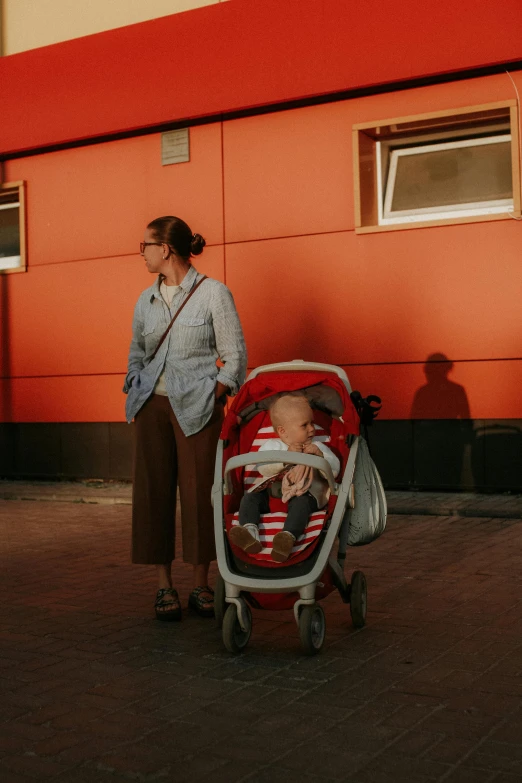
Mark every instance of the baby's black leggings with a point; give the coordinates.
(253, 504)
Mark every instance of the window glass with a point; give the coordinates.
(451, 176)
(9, 236)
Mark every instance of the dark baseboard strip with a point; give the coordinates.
(437, 454)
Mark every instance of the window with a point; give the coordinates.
(12, 228)
(438, 168)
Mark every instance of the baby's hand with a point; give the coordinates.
(311, 448)
(295, 447)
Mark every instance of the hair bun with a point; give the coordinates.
(197, 244)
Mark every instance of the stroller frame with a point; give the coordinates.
(306, 583)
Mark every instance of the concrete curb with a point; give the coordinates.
(107, 501)
(100, 492)
(448, 511)
(436, 504)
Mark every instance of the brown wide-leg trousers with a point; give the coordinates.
(164, 457)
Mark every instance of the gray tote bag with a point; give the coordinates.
(366, 521)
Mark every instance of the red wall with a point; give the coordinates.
(273, 195)
(241, 54)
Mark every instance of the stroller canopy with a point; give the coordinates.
(267, 384)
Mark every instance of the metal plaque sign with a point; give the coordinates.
(175, 147)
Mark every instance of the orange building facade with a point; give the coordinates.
(427, 317)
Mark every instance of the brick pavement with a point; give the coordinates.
(94, 690)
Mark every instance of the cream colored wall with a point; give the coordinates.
(28, 24)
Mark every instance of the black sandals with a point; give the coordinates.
(201, 603)
(167, 604)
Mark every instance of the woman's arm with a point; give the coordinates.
(230, 343)
(137, 348)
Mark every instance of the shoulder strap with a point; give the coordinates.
(178, 311)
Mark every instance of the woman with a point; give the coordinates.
(176, 395)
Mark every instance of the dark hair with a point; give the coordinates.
(177, 235)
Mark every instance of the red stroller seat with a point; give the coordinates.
(273, 522)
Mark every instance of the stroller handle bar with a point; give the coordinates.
(299, 365)
(287, 457)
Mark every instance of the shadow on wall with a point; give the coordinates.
(440, 398)
(6, 402)
(443, 431)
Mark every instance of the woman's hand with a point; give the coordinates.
(220, 391)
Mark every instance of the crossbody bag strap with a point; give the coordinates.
(178, 311)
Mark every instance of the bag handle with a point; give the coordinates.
(178, 311)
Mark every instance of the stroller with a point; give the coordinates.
(313, 570)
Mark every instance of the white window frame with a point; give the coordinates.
(373, 142)
(387, 216)
(18, 263)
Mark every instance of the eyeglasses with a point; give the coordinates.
(143, 245)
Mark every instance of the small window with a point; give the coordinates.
(438, 168)
(12, 228)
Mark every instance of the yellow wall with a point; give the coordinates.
(28, 24)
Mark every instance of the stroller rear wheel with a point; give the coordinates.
(358, 600)
(220, 605)
(312, 628)
(235, 638)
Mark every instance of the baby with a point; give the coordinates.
(303, 488)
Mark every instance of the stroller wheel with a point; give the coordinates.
(234, 638)
(358, 599)
(312, 628)
(220, 605)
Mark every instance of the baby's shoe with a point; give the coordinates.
(246, 537)
(282, 546)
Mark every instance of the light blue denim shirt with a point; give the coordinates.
(207, 329)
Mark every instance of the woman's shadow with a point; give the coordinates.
(443, 430)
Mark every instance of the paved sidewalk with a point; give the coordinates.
(455, 504)
(95, 690)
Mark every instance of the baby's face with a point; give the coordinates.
(298, 426)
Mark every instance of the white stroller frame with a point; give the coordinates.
(237, 622)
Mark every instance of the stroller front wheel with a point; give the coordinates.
(312, 628)
(235, 638)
